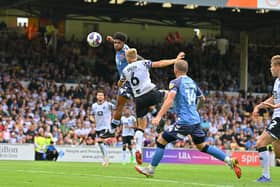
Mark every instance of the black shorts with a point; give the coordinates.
(274, 128)
(144, 102)
(125, 90)
(127, 140)
(98, 133)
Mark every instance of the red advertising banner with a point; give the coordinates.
(247, 158)
(242, 3)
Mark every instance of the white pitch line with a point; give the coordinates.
(124, 178)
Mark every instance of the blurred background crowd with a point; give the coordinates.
(52, 88)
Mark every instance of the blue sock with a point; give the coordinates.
(116, 122)
(216, 152)
(157, 156)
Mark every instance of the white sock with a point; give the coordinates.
(139, 140)
(124, 156)
(227, 160)
(264, 158)
(103, 151)
(152, 167)
(130, 153)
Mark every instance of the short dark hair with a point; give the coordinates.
(120, 36)
(100, 91)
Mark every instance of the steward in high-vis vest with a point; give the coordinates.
(40, 145)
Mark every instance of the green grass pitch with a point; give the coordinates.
(68, 174)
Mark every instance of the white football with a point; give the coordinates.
(94, 39)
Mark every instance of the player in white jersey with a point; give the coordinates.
(272, 132)
(128, 123)
(102, 114)
(145, 92)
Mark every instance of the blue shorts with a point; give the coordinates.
(125, 90)
(176, 131)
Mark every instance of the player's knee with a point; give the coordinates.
(165, 137)
(203, 147)
(260, 143)
(198, 141)
(160, 144)
(276, 148)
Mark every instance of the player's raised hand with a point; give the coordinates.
(109, 39)
(155, 121)
(256, 112)
(181, 55)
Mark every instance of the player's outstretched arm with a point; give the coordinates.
(200, 102)
(268, 103)
(165, 106)
(164, 63)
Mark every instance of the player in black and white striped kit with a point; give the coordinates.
(272, 131)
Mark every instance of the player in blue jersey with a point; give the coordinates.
(184, 94)
(125, 93)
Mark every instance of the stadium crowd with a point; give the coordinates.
(31, 99)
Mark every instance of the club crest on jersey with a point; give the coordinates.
(171, 85)
(121, 56)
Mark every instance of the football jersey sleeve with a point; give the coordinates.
(147, 64)
(134, 119)
(173, 85)
(93, 109)
(112, 106)
(199, 92)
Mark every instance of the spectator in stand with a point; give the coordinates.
(250, 144)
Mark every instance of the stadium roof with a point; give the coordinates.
(141, 12)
